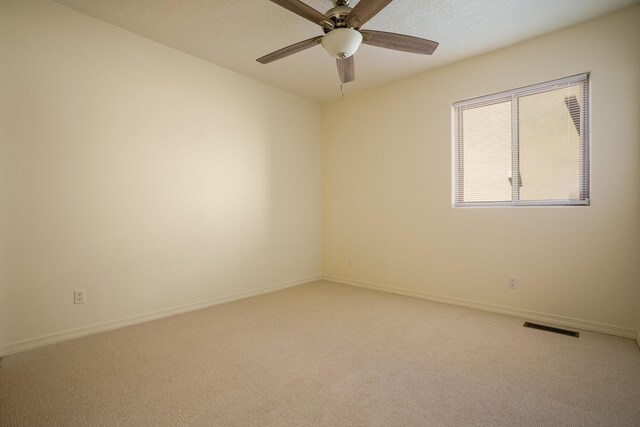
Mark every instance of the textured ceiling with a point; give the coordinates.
(233, 33)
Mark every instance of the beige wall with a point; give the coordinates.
(387, 188)
(156, 181)
(151, 179)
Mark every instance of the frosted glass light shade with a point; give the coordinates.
(342, 42)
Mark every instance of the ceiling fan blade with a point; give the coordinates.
(306, 11)
(363, 11)
(346, 69)
(400, 42)
(290, 50)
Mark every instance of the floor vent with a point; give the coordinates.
(551, 329)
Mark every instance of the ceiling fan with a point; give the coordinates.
(342, 34)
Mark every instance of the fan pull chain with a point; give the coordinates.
(342, 91)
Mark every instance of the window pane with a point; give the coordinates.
(549, 142)
(541, 131)
(486, 153)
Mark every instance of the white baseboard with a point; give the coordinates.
(106, 326)
(525, 314)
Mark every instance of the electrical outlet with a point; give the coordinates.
(513, 283)
(78, 296)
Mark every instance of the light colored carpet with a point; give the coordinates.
(326, 354)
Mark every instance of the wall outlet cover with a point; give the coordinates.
(79, 296)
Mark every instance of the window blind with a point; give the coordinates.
(528, 146)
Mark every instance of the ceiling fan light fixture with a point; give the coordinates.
(342, 42)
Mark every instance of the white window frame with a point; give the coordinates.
(513, 95)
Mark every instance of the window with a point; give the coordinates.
(524, 147)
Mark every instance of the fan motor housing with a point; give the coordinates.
(338, 15)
